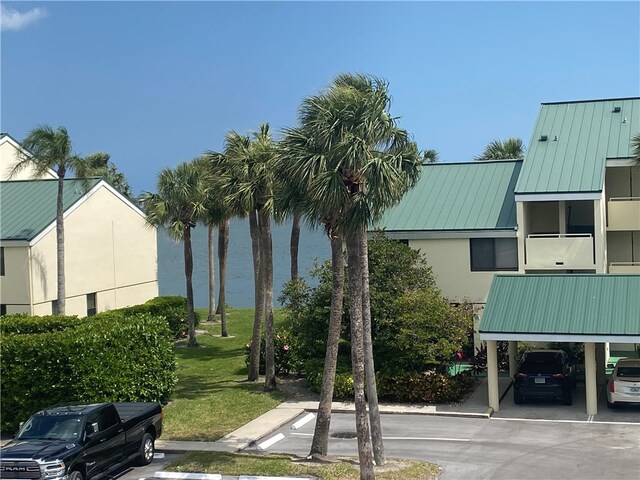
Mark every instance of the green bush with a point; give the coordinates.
(284, 356)
(23, 323)
(343, 388)
(173, 308)
(113, 357)
(427, 387)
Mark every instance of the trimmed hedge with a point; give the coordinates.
(111, 357)
(22, 323)
(173, 308)
(409, 387)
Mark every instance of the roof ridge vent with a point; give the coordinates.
(616, 110)
(543, 138)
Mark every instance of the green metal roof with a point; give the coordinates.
(580, 137)
(458, 196)
(27, 207)
(563, 305)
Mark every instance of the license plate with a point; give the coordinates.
(634, 389)
(539, 380)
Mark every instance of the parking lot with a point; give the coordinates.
(554, 411)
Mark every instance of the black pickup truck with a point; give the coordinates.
(78, 442)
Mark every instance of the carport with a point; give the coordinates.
(594, 309)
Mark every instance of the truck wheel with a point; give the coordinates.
(76, 475)
(147, 449)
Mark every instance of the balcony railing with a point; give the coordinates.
(571, 251)
(624, 267)
(623, 213)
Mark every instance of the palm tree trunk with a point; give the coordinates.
(266, 263)
(223, 247)
(320, 443)
(357, 357)
(211, 250)
(254, 358)
(188, 273)
(295, 243)
(369, 367)
(61, 303)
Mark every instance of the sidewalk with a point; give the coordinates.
(475, 406)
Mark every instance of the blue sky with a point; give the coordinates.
(157, 83)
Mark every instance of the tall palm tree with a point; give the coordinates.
(511, 148)
(218, 212)
(100, 165)
(248, 162)
(180, 202)
(223, 248)
(51, 149)
(312, 186)
(358, 163)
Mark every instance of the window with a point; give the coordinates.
(108, 418)
(404, 241)
(491, 254)
(2, 261)
(54, 307)
(3, 309)
(91, 304)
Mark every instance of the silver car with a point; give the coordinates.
(624, 383)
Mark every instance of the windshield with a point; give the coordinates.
(51, 428)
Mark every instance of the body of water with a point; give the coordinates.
(314, 245)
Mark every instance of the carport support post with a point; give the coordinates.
(513, 353)
(492, 375)
(590, 378)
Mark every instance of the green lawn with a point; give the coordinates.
(212, 397)
(286, 465)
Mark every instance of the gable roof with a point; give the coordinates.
(458, 196)
(27, 207)
(578, 307)
(580, 136)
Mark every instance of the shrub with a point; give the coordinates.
(23, 323)
(426, 387)
(173, 308)
(284, 356)
(113, 357)
(343, 388)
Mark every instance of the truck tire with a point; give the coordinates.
(147, 449)
(76, 475)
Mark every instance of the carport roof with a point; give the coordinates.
(563, 308)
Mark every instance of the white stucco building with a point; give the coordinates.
(110, 251)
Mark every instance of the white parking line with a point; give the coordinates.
(188, 476)
(267, 443)
(539, 420)
(306, 419)
(426, 439)
(253, 477)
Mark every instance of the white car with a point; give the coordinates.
(624, 384)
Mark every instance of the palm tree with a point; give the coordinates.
(358, 163)
(51, 149)
(511, 148)
(430, 156)
(223, 247)
(312, 186)
(177, 206)
(247, 163)
(100, 165)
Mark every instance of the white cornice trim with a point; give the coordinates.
(620, 162)
(550, 197)
(14, 243)
(443, 234)
(550, 337)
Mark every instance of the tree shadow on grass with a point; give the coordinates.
(193, 387)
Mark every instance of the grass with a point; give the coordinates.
(286, 465)
(212, 397)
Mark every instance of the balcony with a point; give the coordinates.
(625, 267)
(623, 214)
(559, 252)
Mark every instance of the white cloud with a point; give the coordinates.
(11, 19)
